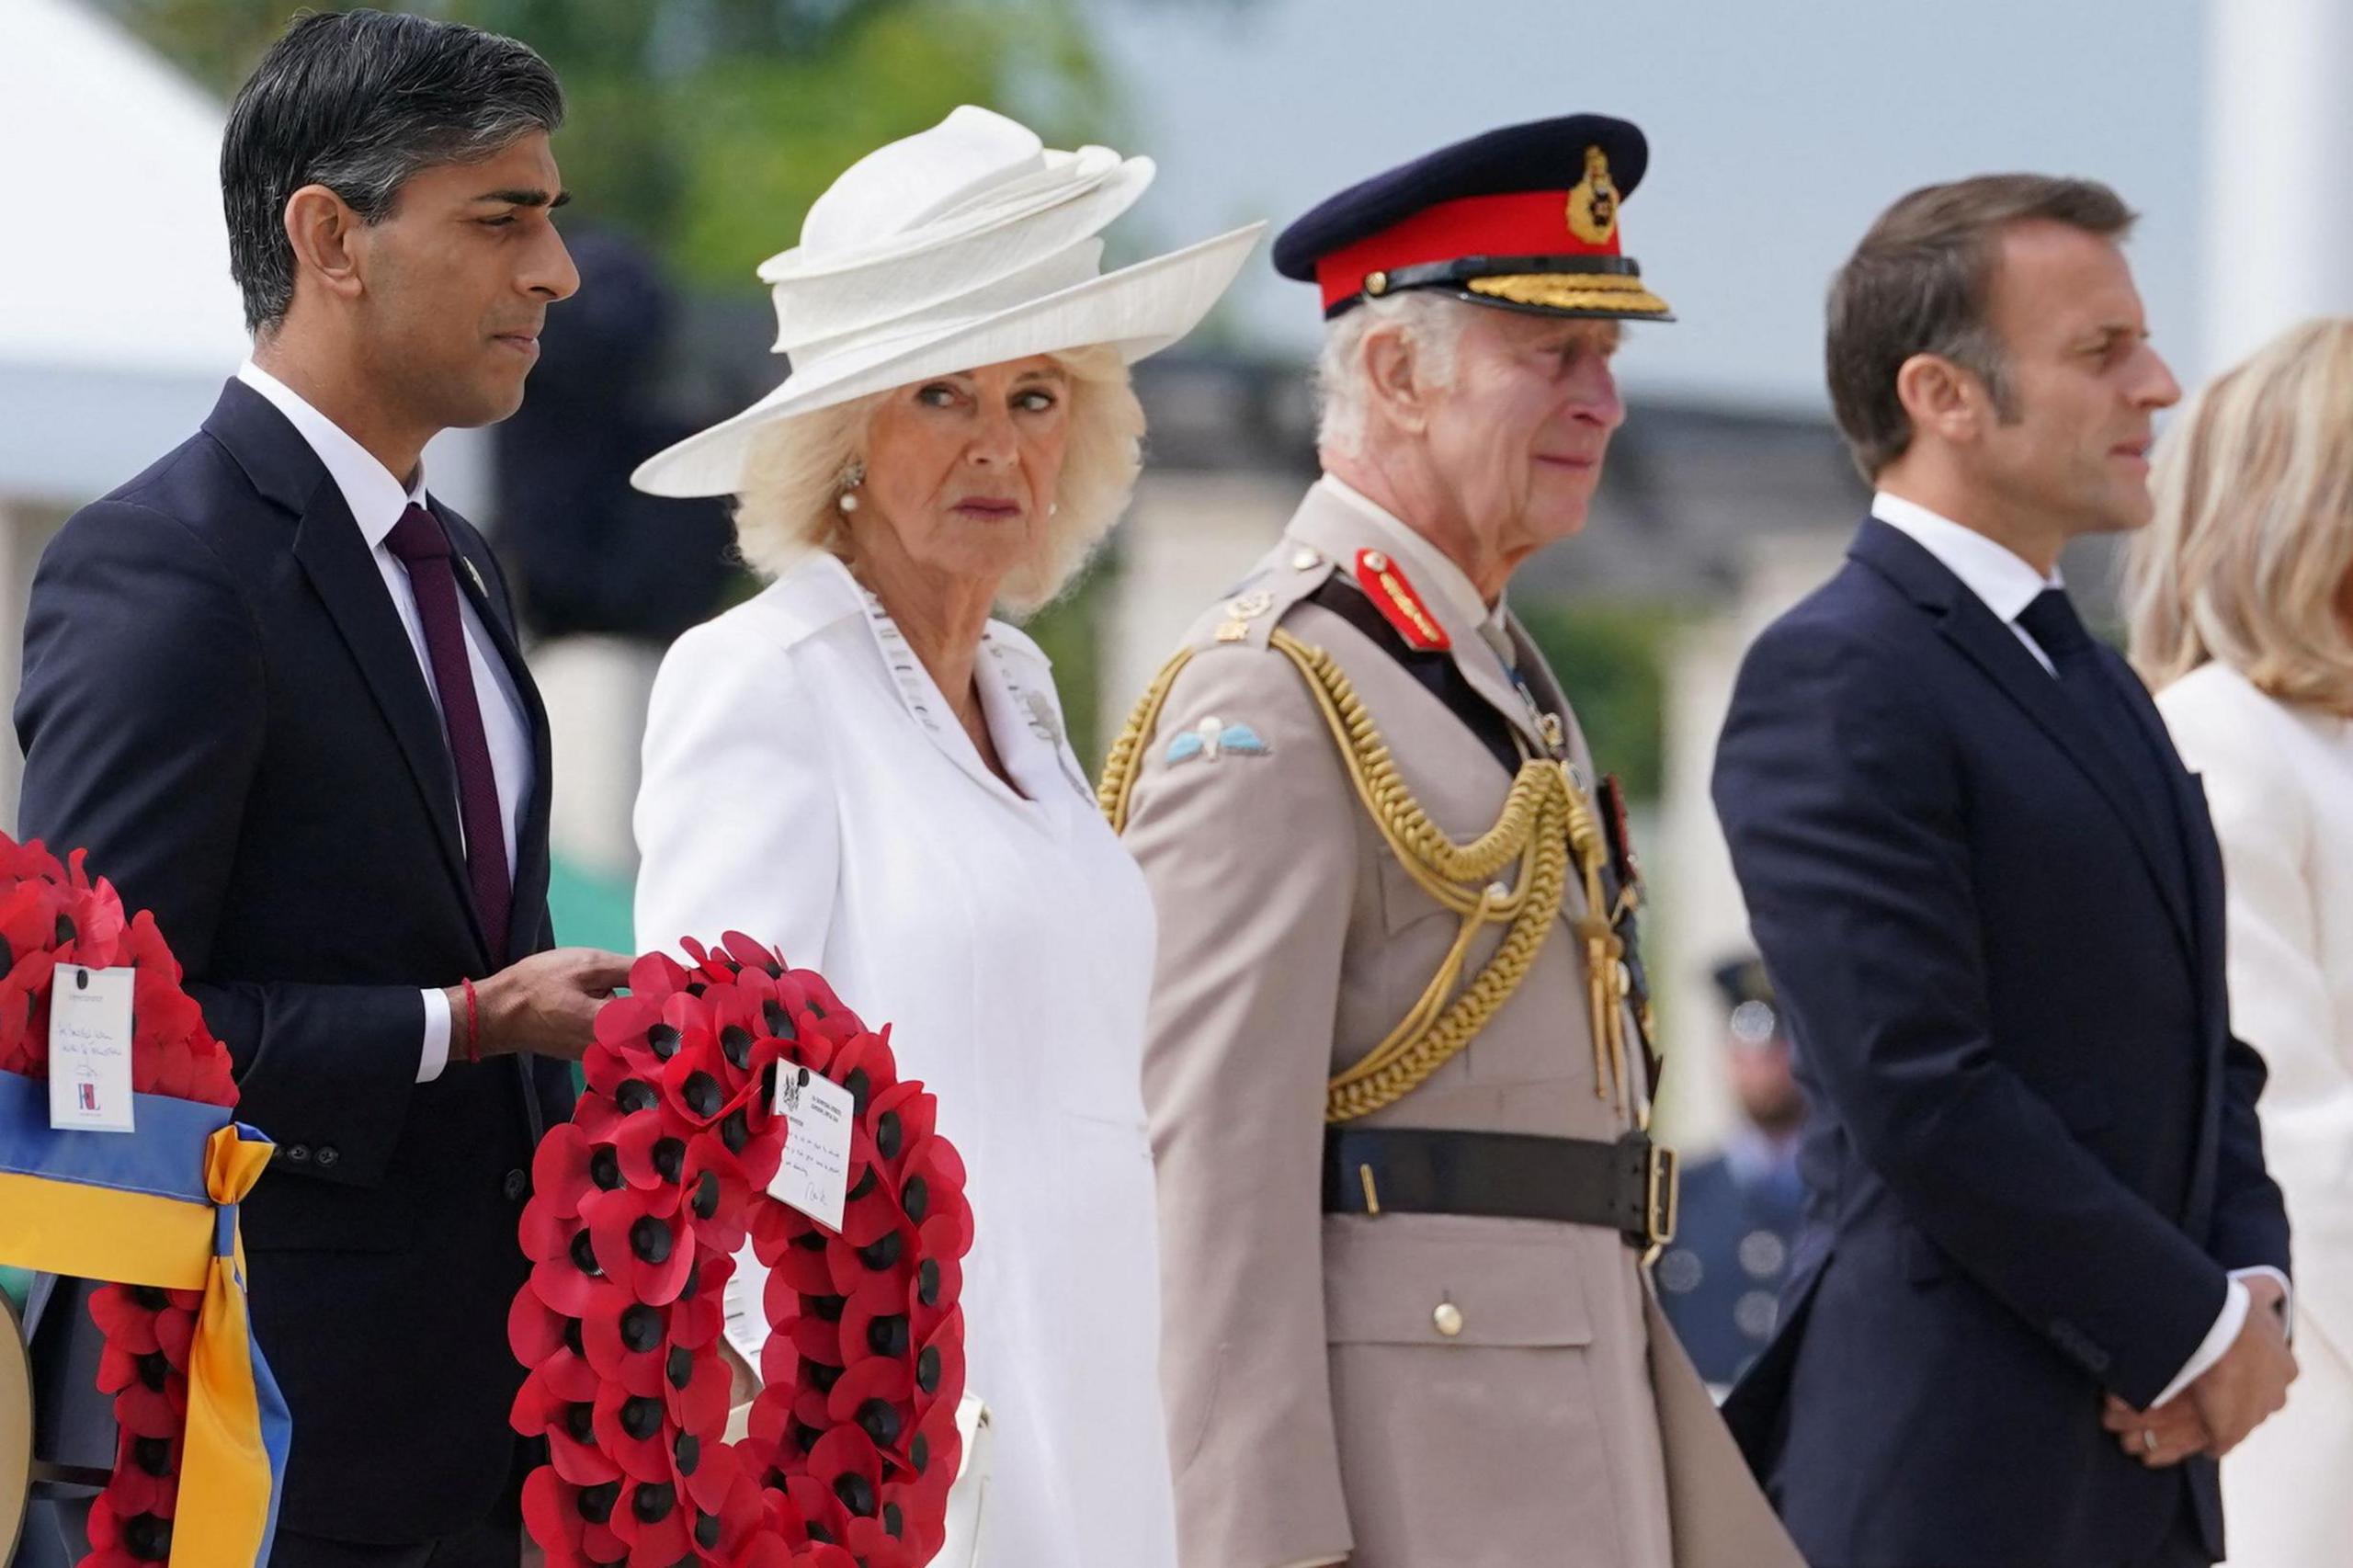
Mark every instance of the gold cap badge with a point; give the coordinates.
(1593, 205)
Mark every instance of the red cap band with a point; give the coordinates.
(1526, 223)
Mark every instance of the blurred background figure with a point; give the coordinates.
(1721, 1278)
(605, 577)
(2242, 600)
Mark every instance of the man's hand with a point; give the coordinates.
(545, 1003)
(2159, 1438)
(2239, 1392)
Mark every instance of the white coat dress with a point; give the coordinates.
(2278, 778)
(805, 784)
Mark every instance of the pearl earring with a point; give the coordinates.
(848, 503)
(853, 475)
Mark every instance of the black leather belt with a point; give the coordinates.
(1628, 1186)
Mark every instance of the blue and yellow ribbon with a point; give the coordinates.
(158, 1207)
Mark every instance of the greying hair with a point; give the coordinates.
(359, 101)
(1432, 322)
(1920, 283)
(789, 506)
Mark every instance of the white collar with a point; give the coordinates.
(1433, 571)
(2003, 580)
(375, 497)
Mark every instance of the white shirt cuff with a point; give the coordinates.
(2287, 1293)
(436, 1054)
(2227, 1324)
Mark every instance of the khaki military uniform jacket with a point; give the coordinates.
(1404, 1390)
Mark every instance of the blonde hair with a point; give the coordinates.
(1431, 321)
(2246, 559)
(788, 506)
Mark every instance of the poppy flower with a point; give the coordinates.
(635, 1431)
(146, 1477)
(652, 1152)
(700, 1311)
(655, 1522)
(694, 1389)
(791, 1245)
(729, 1511)
(557, 1402)
(640, 1242)
(572, 1525)
(698, 1085)
(126, 1314)
(876, 1396)
(132, 1542)
(624, 1339)
(939, 1366)
(715, 1186)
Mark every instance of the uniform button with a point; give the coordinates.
(514, 1185)
(298, 1153)
(1305, 560)
(326, 1155)
(1448, 1319)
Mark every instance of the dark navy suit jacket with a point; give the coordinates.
(2034, 1154)
(221, 703)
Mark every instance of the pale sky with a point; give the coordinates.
(1778, 129)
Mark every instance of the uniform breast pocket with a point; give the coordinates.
(1465, 1386)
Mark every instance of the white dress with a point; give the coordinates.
(805, 784)
(2279, 782)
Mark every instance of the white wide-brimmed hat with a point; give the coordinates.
(967, 244)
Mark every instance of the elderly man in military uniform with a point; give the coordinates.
(1397, 1059)
(1737, 1216)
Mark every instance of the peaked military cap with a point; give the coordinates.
(1525, 218)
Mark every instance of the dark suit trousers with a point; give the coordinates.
(2182, 1549)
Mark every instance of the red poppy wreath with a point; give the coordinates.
(53, 914)
(639, 1206)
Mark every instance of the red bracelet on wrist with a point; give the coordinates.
(473, 1024)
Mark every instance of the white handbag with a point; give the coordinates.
(967, 1496)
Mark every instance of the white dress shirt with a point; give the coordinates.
(2007, 583)
(376, 500)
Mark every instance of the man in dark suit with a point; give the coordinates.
(273, 686)
(2042, 1283)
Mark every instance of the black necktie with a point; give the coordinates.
(2052, 621)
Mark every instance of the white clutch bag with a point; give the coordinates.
(965, 1499)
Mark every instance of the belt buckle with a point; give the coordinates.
(1662, 1199)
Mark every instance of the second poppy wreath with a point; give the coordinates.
(639, 1207)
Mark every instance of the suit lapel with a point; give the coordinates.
(1995, 649)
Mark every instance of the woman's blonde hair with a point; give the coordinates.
(2248, 557)
(793, 480)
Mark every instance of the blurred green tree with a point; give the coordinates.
(707, 127)
(1610, 659)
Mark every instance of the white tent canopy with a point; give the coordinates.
(118, 317)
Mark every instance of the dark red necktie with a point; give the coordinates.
(423, 549)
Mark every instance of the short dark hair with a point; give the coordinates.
(1919, 283)
(358, 101)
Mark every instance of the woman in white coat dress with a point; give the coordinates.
(863, 768)
(2242, 600)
